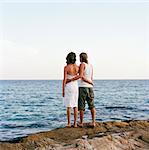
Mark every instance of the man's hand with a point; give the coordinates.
(88, 81)
(92, 84)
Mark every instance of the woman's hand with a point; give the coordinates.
(63, 91)
(63, 94)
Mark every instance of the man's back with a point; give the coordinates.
(87, 73)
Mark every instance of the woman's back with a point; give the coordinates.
(72, 69)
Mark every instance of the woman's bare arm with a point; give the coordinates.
(64, 81)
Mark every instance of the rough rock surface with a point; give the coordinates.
(126, 135)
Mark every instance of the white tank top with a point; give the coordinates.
(88, 74)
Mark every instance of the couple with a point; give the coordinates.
(72, 97)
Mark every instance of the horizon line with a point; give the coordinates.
(93, 79)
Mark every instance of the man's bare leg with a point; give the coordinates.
(68, 116)
(93, 112)
(81, 118)
(75, 116)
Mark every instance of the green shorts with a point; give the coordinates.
(85, 94)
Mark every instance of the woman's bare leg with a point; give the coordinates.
(68, 116)
(75, 116)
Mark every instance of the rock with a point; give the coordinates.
(85, 137)
(120, 124)
(125, 135)
(83, 145)
(104, 143)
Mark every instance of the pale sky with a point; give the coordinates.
(36, 36)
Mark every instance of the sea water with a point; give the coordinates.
(31, 106)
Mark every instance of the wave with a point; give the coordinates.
(50, 97)
(32, 125)
(119, 107)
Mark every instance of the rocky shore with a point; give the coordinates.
(123, 135)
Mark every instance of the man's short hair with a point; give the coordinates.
(84, 57)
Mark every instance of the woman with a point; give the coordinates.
(70, 90)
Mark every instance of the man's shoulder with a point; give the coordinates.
(91, 65)
(82, 64)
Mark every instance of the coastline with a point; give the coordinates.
(115, 135)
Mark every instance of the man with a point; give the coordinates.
(85, 89)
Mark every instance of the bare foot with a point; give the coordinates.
(75, 125)
(80, 125)
(93, 124)
(68, 126)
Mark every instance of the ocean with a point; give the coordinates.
(32, 106)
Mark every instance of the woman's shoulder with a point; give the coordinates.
(71, 66)
(66, 67)
(76, 65)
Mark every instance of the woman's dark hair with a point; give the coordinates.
(71, 58)
(83, 57)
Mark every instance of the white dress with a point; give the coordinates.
(71, 93)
